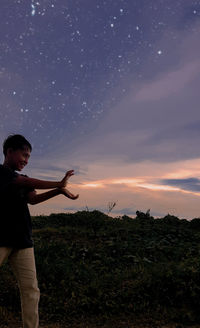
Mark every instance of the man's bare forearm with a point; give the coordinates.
(39, 198)
(36, 183)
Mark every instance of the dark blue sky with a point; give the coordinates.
(61, 60)
(110, 79)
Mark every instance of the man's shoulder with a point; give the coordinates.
(7, 172)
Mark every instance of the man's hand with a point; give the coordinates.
(66, 178)
(63, 189)
(68, 194)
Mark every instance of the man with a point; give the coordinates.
(16, 245)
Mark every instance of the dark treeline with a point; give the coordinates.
(92, 265)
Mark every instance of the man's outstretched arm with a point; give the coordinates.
(34, 198)
(42, 184)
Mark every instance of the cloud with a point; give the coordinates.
(148, 143)
(158, 118)
(134, 186)
(169, 84)
(189, 184)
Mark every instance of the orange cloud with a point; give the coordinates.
(92, 185)
(144, 182)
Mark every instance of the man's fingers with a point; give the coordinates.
(72, 196)
(75, 197)
(68, 194)
(69, 173)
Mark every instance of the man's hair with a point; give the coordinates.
(15, 141)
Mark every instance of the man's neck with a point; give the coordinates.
(7, 165)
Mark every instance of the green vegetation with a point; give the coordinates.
(91, 265)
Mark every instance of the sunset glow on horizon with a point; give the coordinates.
(163, 188)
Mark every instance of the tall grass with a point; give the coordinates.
(92, 265)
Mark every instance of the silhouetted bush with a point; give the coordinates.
(195, 223)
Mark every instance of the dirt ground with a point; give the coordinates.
(109, 324)
(121, 325)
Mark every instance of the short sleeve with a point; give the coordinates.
(28, 189)
(6, 177)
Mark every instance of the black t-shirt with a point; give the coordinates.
(15, 219)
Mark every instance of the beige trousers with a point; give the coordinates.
(22, 262)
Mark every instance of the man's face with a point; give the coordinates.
(18, 159)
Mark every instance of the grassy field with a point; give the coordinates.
(98, 271)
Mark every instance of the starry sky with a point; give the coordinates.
(109, 88)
